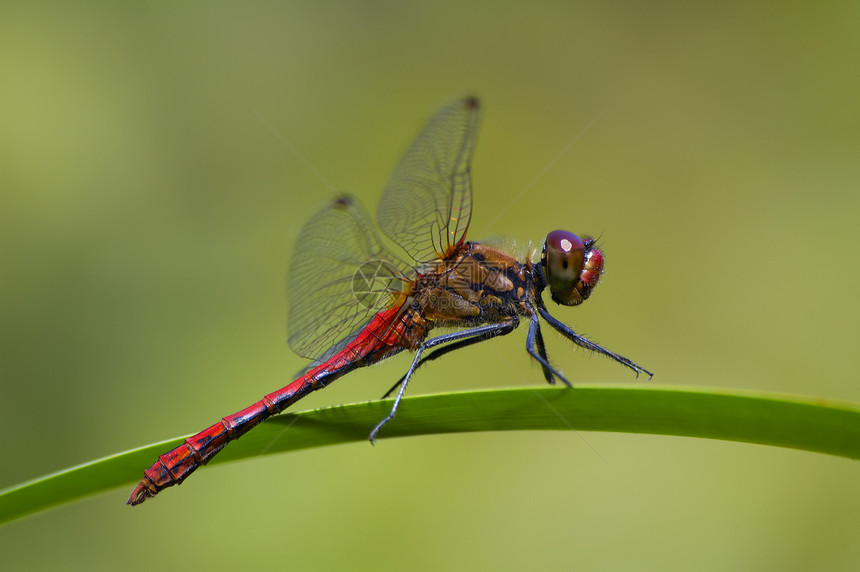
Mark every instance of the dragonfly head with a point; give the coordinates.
(571, 265)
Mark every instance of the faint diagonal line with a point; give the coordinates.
(545, 402)
(277, 437)
(294, 150)
(561, 153)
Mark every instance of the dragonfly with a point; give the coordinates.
(357, 296)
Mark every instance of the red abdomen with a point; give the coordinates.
(386, 334)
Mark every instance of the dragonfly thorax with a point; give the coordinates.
(474, 284)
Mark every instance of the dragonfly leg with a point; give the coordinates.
(439, 352)
(535, 338)
(472, 335)
(582, 342)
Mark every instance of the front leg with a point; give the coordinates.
(581, 341)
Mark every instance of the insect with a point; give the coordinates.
(355, 299)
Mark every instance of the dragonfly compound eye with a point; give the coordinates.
(566, 262)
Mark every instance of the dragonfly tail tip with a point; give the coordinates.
(140, 493)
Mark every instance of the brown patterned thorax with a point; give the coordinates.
(475, 284)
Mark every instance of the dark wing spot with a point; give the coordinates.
(343, 201)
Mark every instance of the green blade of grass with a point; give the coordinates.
(802, 423)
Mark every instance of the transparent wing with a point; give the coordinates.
(427, 205)
(340, 275)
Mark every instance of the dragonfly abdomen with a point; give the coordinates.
(174, 466)
(477, 284)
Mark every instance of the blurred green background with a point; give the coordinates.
(147, 213)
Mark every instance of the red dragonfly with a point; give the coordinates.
(354, 300)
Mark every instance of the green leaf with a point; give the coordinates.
(801, 423)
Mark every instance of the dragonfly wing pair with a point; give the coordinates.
(342, 273)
